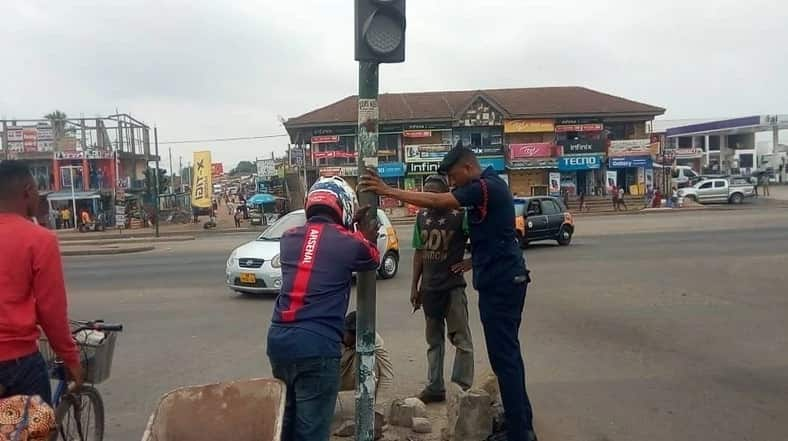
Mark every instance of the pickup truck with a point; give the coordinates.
(717, 190)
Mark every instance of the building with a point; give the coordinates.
(101, 159)
(527, 135)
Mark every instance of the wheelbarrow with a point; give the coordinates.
(247, 410)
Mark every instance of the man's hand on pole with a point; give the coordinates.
(370, 181)
(368, 227)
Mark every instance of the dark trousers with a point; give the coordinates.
(312, 388)
(501, 311)
(25, 376)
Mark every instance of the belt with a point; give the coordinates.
(18, 361)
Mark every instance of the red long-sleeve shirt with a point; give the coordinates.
(32, 291)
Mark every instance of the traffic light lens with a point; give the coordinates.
(384, 34)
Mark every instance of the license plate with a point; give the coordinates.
(248, 278)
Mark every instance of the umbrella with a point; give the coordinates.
(261, 198)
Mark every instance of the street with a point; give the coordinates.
(648, 327)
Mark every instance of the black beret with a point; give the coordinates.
(453, 156)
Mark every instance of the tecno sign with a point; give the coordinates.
(569, 163)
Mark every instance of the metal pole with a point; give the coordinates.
(156, 173)
(73, 197)
(367, 149)
(5, 140)
(180, 170)
(170, 149)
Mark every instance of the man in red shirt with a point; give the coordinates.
(32, 291)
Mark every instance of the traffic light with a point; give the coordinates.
(380, 31)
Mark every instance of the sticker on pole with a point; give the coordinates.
(368, 113)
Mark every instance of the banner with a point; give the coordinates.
(417, 134)
(555, 184)
(202, 190)
(612, 180)
(266, 168)
(578, 128)
(430, 152)
(217, 169)
(334, 154)
(325, 139)
(528, 125)
(533, 150)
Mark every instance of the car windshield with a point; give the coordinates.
(275, 231)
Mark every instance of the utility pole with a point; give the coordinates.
(180, 170)
(170, 149)
(5, 140)
(156, 145)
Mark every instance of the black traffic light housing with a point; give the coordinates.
(380, 31)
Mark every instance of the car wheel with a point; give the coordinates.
(736, 198)
(564, 236)
(692, 198)
(389, 265)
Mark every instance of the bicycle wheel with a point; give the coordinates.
(80, 416)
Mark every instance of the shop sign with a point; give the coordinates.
(334, 154)
(325, 139)
(575, 163)
(423, 167)
(425, 152)
(266, 168)
(347, 130)
(492, 150)
(583, 146)
(45, 134)
(217, 169)
(592, 127)
(338, 171)
(533, 150)
(576, 121)
(417, 134)
(90, 154)
(528, 125)
(391, 169)
(630, 147)
(15, 134)
(296, 156)
(535, 163)
(428, 126)
(497, 163)
(691, 153)
(390, 128)
(629, 161)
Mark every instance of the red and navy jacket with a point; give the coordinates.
(318, 261)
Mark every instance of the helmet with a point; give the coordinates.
(334, 193)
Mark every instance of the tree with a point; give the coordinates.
(58, 121)
(244, 167)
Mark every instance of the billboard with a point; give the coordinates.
(217, 169)
(202, 187)
(266, 168)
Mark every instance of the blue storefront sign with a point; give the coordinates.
(391, 170)
(497, 163)
(630, 161)
(576, 163)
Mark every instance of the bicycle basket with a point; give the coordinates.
(95, 356)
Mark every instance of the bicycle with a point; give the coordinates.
(73, 409)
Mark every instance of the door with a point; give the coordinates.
(720, 191)
(706, 192)
(535, 221)
(555, 217)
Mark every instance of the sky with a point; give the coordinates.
(210, 69)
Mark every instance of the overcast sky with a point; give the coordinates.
(211, 69)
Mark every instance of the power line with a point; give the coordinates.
(240, 138)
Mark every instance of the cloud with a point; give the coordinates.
(206, 69)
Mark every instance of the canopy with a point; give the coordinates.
(65, 195)
(261, 198)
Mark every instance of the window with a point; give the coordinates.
(719, 184)
(549, 207)
(534, 209)
(705, 185)
(690, 174)
(746, 161)
(275, 231)
(476, 139)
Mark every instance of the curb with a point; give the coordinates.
(106, 251)
(131, 240)
(149, 235)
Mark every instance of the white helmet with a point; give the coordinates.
(334, 193)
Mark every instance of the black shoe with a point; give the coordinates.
(428, 397)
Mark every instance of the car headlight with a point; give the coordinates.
(275, 263)
(231, 259)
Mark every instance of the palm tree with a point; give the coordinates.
(58, 121)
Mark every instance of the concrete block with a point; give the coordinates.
(421, 425)
(403, 411)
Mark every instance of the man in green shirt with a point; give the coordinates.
(438, 285)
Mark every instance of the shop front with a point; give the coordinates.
(529, 165)
(631, 172)
(581, 173)
(393, 174)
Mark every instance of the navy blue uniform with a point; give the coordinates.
(499, 274)
(304, 341)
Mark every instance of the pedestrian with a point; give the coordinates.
(318, 260)
(214, 205)
(657, 202)
(754, 180)
(348, 365)
(499, 269)
(33, 292)
(439, 238)
(237, 217)
(649, 197)
(614, 192)
(230, 208)
(67, 217)
(765, 184)
(621, 198)
(582, 203)
(674, 197)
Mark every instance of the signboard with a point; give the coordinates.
(649, 177)
(266, 168)
(630, 147)
(535, 163)
(429, 152)
(334, 154)
(554, 187)
(612, 180)
(325, 139)
(45, 134)
(89, 154)
(16, 146)
(593, 127)
(423, 168)
(344, 130)
(416, 134)
(391, 170)
(262, 187)
(339, 171)
(217, 169)
(446, 125)
(492, 150)
(120, 216)
(497, 163)
(15, 134)
(690, 153)
(583, 146)
(533, 150)
(202, 190)
(576, 163)
(297, 156)
(630, 161)
(528, 125)
(30, 139)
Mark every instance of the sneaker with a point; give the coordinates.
(428, 397)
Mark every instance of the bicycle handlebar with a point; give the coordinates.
(95, 325)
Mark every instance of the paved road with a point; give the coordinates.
(659, 327)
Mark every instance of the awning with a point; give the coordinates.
(66, 195)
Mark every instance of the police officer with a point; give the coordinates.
(499, 270)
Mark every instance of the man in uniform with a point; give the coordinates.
(439, 238)
(499, 271)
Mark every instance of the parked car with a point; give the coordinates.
(543, 218)
(683, 176)
(254, 267)
(718, 190)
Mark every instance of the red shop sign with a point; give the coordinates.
(579, 128)
(325, 139)
(533, 150)
(417, 134)
(334, 154)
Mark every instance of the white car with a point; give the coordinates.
(254, 267)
